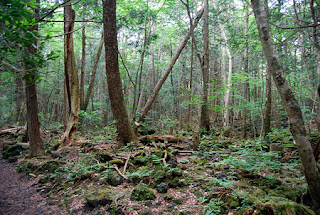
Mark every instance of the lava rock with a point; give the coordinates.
(162, 187)
(142, 192)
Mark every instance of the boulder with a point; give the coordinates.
(142, 192)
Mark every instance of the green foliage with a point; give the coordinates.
(90, 120)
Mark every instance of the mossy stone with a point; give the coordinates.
(146, 212)
(10, 150)
(104, 156)
(99, 198)
(168, 197)
(118, 162)
(142, 192)
(282, 206)
(113, 178)
(159, 176)
(175, 173)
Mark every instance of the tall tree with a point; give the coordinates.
(72, 97)
(120, 114)
(204, 115)
(33, 126)
(289, 102)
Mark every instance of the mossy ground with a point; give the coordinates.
(226, 176)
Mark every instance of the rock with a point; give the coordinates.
(168, 197)
(148, 203)
(12, 159)
(175, 172)
(159, 176)
(113, 178)
(10, 150)
(162, 187)
(142, 192)
(118, 162)
(99, 198)
(171, 205)
(281, 206)
(104, 156)
(146, 212)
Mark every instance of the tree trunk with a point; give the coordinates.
(120, 114)
(267, 115)
(289, 102)
(83, 67)
(33, 127)
(163, 78)
(204, 115)
(93, 76)
(226, 99)
(71, 77)
(246, 70)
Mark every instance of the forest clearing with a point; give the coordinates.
(160, 107)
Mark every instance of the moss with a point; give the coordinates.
(168, 197)
(118, 162)
(102, 197)
(159, 175)
(10, 150)
(259, 193)
(142, 192)
(136, 207)
(103, 156)
(281, 206)
(146, 212)
(113, 178)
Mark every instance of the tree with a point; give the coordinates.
(297, 127)
(163, 78)
(72, 97)
(120, 114)
(204, 117)
(33, 127)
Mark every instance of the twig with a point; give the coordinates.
(165, 157)
(122, 175)
(126, 164)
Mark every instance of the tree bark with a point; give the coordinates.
(226, 99)
(289, 102)
(33, 127)
(267, 115)
(83, 67)
(246, 70)
(120, 114)
(71, 78)
(204, 114)
(163, 78)
(93, 75)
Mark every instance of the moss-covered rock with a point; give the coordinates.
(146, 212)
(142, 192)
(162, 187)
(118, 162)
(39, 166)
(168, 197)
(281, 206)
(102, 197)
(10, 150)
(104, 156)
(159, 175)
(113, 178)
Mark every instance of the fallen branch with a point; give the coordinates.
(126, 164)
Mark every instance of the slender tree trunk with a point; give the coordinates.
(267, 114)
(228, 83)
(71, 78)
(289, 102)
(246, 70)
(83, 67)
(120, 114)
(33, 127)
(163, 78)
(93, 75)
(204, 115)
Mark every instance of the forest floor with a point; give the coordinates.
(159, 174)
(18, 194)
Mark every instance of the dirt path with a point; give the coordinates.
(18, 195)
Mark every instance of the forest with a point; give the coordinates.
(160, 106)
